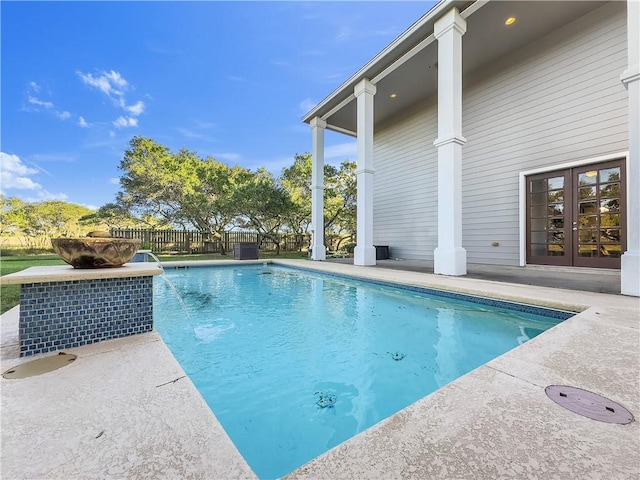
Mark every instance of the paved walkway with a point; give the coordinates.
(571, 278)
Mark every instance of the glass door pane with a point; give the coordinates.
(547, 238)
(598, 215)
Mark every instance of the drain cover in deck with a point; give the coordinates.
(589, 404)
(39, 366)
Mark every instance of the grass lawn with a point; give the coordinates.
(10, 294)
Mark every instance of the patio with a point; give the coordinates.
(124, 408)
(599, 280)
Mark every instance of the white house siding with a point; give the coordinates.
(557, 100)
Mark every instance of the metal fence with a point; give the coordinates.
(193, 241)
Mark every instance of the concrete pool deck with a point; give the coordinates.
(124, 409)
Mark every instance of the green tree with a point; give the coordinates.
(113, 216)
(36, 223)
(13, 216)
(296, 180)
(179, 188)
(340, 202)
(55, 218)
(339, 197)
(262, 204)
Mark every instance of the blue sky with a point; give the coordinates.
(226, 79)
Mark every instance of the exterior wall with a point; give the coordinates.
(405, 186)
(557, 100)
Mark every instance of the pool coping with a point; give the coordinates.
(66, 273)
(493, 422)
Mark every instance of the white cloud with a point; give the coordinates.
(193, 134)
(51, 157)
(116, 79)
(332, 77)
(273, 165)
(42, 195)
(15, 174)
(137, 108)
(82, 122)
(37, 103)
(110, 83)
(123, 122)
(115, 86)
(307, 104)
(342, 151)
(114, 181)
(112, 134)
(40, 103)
(345, 33)
(228, 156)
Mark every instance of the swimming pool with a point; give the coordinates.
(294, 362)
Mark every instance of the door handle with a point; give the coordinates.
(574, 228)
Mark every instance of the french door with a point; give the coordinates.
(576, 217)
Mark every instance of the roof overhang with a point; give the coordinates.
(408, 66)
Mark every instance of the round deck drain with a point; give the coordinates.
(589, 404)
(39, 366)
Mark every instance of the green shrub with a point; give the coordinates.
(350, 247)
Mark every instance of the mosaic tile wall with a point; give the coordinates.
(57, 315)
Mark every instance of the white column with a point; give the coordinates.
(449, 257)
(365, 253)
(318, 250)
(630, 273)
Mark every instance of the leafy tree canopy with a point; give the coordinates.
(339, 195)
(179, 188)
(37, 222)
(263, 205)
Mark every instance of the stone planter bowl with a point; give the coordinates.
(94, 252)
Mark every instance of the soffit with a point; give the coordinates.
(486, 40)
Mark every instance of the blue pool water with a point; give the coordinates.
(294, 362)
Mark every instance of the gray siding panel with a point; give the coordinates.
(405, 187)
(557, 100)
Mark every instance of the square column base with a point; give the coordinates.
(318, 252)
(364, 255)
(450, 261)
(630, 274)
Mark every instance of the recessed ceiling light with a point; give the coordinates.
(510, 21)
(393, 95)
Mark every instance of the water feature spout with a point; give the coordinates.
(170, 284)
(158, 262)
